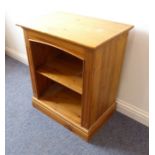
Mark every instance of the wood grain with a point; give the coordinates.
(102, 71)
(85, 31)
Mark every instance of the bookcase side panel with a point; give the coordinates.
(107, 68)
(101, 79)
(39, 83)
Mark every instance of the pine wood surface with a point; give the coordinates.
(86, 31)
(75, 65)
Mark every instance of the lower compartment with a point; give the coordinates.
(76, 128)
(51, 110)
(63, 101)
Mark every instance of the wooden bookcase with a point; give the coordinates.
(75, 64)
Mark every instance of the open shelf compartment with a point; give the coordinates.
(58, 66)
(61, 101)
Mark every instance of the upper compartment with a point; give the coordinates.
(58, 65)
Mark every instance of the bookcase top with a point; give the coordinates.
(86, 31)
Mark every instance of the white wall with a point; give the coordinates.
(133, 91)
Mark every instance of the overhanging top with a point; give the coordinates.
(85, 31)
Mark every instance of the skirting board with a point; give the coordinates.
(132, 111)
(122, 106)
(16, 55)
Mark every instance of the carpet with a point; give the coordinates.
(29, 132)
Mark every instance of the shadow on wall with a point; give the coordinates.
(139, 40)
(134, 78)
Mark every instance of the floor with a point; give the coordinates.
(29, 132)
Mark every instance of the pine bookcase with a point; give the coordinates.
(75, 64)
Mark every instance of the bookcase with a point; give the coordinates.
(75, 64)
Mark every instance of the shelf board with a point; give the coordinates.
(64, 70)
(62, 101)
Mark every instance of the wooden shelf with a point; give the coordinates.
(65, 70)
(62, 101)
